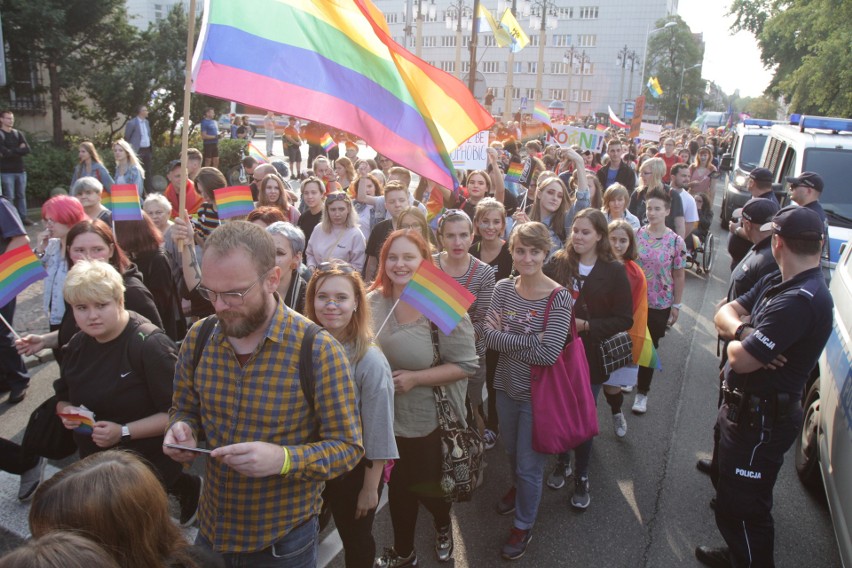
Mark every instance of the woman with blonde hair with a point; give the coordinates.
(337, 300)
(273, 193)
(337, 236)
(90, 164)
(615, 200)
(651, 174)
(116, 500)
(128, 169)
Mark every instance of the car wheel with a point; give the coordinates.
(807, 444)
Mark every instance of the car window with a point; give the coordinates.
(752, 148)
(833, 165)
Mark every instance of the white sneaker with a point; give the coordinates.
(619, 422)
(640, 405)
(627, 389)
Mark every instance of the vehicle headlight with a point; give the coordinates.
(740, 180)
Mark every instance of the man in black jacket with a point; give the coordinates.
(616, 170)
(13, 148)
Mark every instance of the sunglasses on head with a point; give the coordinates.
(335, 265)
(332, 197)
(449, 214)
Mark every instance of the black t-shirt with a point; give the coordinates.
(101, 377)
(308, 221)
(501, 264)
(792, 318)
(378, 236)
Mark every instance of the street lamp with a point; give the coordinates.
(459, 15)
(645, 57)
(422, 10)
(545, 17)
(568, 59)
(625, 55)
(680, 91)
(583, 59)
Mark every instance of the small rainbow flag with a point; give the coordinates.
(255, 153)
(18, 269)
(514, 172)
(541, 114)
(234, 201)
(125, 203)
(85, 416)
(327, 142)
(600, 127)
(438, 296)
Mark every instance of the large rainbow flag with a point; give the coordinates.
(124, 202)
(337, 64)
(438, 296)
(18, 269)
(644, 352)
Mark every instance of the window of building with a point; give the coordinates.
(430, 41)
(561, 40)
(534, 39)
(557, 94)
(588, 13)
(529, 93)
(391, 17)
(587, 40)
(24, 89)
(448, 41)
(565, 13)
(489, 40)
(465, 66)
(532, 67)
(490, 66)
(558, 68)
(448, 66)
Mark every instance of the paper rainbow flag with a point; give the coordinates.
(438, 297)
(18, 269)
(125, 203)
(541, 114)
(514, 172)
(85, 416)
(327, 142)
(255, 153)
(233, 201)
(342, 67)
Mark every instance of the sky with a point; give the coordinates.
(732, 61)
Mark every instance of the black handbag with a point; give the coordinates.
(616, 352)
(45, 435)
(462, 448)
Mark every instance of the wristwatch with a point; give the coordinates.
(740, 329)
(125, 433)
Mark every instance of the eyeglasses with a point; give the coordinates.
(230, 298)
(335, 266)
(339, 196)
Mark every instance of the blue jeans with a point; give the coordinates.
(15, 190)
(583, 452)
(527, 464)
(297, 549)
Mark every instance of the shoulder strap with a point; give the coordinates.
(470, 275)
(204, 333)
(306, 375)
(137, 343)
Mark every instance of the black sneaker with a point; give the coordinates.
(581, 498)
(17, 395)
(189, 502)
(390, 559)
(444, 543)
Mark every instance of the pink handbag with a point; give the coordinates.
(563, 408)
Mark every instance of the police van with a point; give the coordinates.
(749, 138)
(822, 145)
(824, 448)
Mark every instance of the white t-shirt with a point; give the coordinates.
(690, 209)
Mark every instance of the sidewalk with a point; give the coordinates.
(29, 311)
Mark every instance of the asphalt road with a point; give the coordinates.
(649, 504)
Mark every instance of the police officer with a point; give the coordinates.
(776, 332)
(759, 185)
(757, 263)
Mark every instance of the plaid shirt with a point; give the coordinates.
(263, 401)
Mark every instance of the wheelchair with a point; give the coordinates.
(702, 254)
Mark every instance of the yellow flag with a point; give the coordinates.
(500, 35)
(519, 39)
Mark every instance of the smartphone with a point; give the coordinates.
(187, 449)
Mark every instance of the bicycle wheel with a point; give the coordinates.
(709, 249)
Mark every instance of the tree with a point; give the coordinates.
(807, 43)
(761, 107)
(68, 38)
(670, 51)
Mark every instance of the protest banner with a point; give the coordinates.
(473, 153)
(572, 136)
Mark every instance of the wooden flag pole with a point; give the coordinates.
(187, 87)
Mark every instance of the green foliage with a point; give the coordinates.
(807, 42)
(760, 107)
(670, 51)
(48, 167)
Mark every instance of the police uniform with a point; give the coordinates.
(762, 411)
(738, 246)
(757, 263)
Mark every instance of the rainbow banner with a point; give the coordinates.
(437, 296)
(234, 201)
(255, 153)
(327, 142)
(644, 352)
(541, 114)
(18, 269)
(338, 65)
(124, 203)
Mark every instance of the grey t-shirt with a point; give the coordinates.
(374, 393)
(409, 346)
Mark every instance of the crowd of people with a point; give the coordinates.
(277, 345)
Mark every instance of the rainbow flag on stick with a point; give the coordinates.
(125, 203)
(514, 172)
(234, 201)
(255, 153)
(440, 298)
(339, 66)
(541, 114)
(18, 269)
(327, 142)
